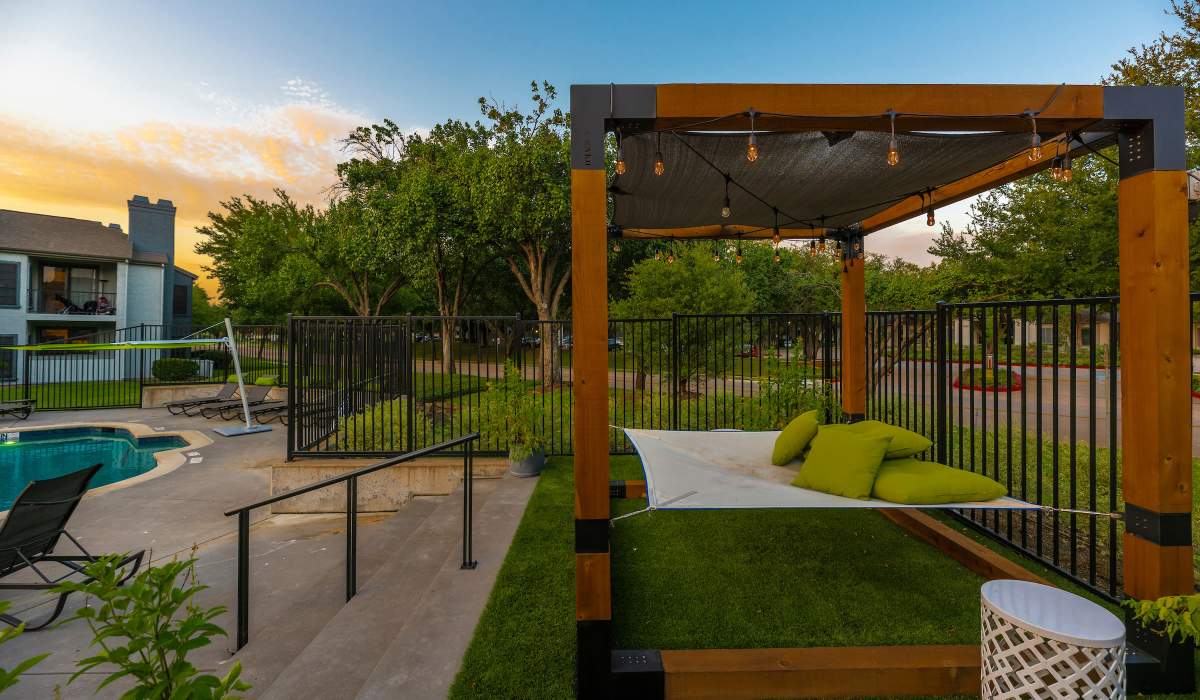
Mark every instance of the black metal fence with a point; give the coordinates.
(65, 379)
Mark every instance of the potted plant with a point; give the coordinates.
(513, 413)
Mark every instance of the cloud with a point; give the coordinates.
(242, 149)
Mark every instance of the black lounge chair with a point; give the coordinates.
(186, 406)
(269, 412)
(17, 408)
(34, 525)
(255, 395)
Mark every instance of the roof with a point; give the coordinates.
(60, 235)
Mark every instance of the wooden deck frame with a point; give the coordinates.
(1156, 415)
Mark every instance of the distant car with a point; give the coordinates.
(615, 344)
(531, 341)
(749, 350)
(565, 341)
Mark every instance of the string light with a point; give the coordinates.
(821, 245)
(616, 246)
(717, 255)
(1066, 166)
(777, 258)
(659, 166)
(776, 238)
(738, 257)
(1056, 168)
(929, 220)
(893, 156)
(726, 211)
(812, 248)
(620, 155)
(1035, 141)
(670, 258)
(658, 255)
(752, 146)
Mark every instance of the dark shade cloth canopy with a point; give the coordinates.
(814, 179)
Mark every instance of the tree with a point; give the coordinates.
(693, 283)
(420, 191)
(524, 205)
(204, 312)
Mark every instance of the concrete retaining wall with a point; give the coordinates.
(385, 490)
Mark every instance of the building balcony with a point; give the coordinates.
(59, 302)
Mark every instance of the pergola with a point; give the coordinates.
(822, 171)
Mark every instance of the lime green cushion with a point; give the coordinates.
(905, 443)
(843, 463)
(794, 438)
(915, 482)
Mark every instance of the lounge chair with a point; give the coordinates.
(268, 413)
(17, 408)
(186, 406)
(255, 395)
(34, 525)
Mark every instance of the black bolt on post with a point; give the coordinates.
(942, 419)
(468, 468)
(243, 584)
(351, 538)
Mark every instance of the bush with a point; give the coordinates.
(512, 411)
(1174, 616)
(174, 369)
(220, 358)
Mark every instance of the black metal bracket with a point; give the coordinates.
(591, 536)
(638, 674)
(1163, 529)
(593, 673)
(616, 489)
(850, 242)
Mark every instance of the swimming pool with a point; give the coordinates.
(43, 454)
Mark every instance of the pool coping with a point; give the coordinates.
(166, 461)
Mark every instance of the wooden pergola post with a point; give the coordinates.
(854, 328)
(1156, 369)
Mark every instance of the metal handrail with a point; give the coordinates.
(351, 480)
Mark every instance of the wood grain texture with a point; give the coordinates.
(731, 674)
(854, 337)
(959, 547)
(593, 587)
(1152, 571)
(589, 317)
(950, 107)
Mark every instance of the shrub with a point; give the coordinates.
(10, 677)
(174, 369)
(791, 392)
(1173, 616)
(147, 627)
(220, 358)
(512, 411)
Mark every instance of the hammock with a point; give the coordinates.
(732, 469)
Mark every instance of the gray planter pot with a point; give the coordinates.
(530, 466)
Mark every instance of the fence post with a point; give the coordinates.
(410, 406)
(351, 537)
(243, 578)
(941, 412)
(827, 363)
(468, 488)
(291, 387)
(674, 371)
(28, 367)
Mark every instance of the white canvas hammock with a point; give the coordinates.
(732, 469)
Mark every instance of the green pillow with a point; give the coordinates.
(905, 443)
(794, 438)
(843, 463)
(914, 482)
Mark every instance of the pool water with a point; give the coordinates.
(44, 454)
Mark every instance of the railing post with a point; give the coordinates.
(243, 579)
(410, 409)
(675, 371)
(28, 368)
(291, 387)
(941, 410)
(468, 468)
(351, 537)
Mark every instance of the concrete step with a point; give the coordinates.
(427, 650)
(342, 655)
(292, 601)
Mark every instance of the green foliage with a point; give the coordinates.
(147, 627)
(10, 677)
(221, 359)
(1174, 616)
(514, 412)
(790, 392)
(174, 369)
(204, 311)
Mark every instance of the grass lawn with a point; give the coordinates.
(713, 579)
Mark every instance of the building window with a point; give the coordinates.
(182, 301)
(1046, 335)
(10, 280)
(1085, 336)
(68, 336)
(8, 359)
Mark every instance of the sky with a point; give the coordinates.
(201, 102)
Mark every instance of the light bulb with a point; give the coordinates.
(659, 166)
(752, 150)
(929, 218)
(776, 238)
(821, 245)
(670, 258)
(658, 255)
(777, 258)
(616, 247)
(893, 152)
(1035, 147)
(812, 248)
(725, 210)
(717, 257)
(620, 165)
(1066, 168)
(738, 258)
(1056, 170)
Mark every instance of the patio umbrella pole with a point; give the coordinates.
(250, 427)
